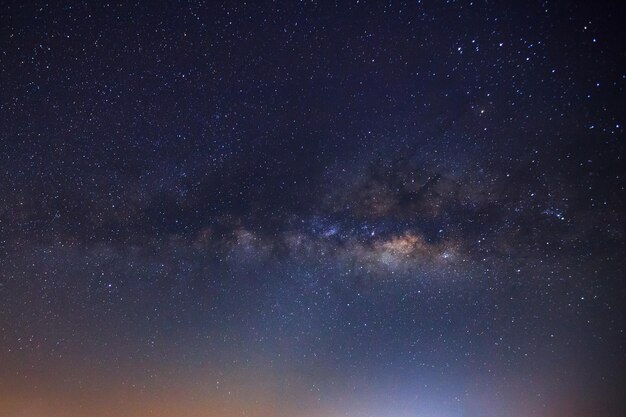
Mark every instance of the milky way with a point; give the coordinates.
(312, 209)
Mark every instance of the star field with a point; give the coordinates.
(312, 209)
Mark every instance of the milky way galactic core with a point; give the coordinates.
(312, 209)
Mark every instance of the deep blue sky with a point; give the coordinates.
(312, 209)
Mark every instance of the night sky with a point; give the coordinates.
(312, 209)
